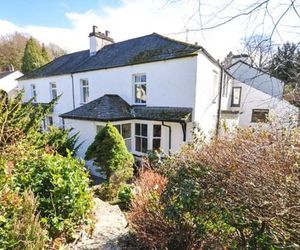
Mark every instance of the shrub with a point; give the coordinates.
(61, 140)
(239, 191)
(125, 195)
(20, 227)
(62, 187)
(109, 152)
(146, 214)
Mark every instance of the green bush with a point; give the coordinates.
(62, 187)
(109, 152)
(125, 195)
(61, 140)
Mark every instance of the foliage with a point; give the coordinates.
(240, 190)
(45, 55)
(61, 141)
(33, 57)
(62, 187)
(125, 195)
(12, 48)
(20, 227)
(285, 63)
(29, 161)
(109, 152)
(146, 215)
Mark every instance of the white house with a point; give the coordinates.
(255, 95)
(8, 82)
(152, 88)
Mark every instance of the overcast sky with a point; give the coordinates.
(68, 22)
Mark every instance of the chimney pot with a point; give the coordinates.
(95, 29)
(107, 33)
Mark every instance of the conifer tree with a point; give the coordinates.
(109, 152)
(33, 57)
(45, 54)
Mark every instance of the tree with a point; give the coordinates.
(109, 152)
(33, 57)
(11, 50)
(45, 54)
(285, 63)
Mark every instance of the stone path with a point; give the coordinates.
(110, 226)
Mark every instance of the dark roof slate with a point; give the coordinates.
(153, 47)
(114, 108)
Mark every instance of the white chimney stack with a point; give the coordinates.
(98, 40)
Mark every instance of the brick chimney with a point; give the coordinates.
(98, 40)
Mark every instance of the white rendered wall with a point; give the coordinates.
(64, 88)
(9, 83)
(206, 98)
(252, 98)
(170, 83)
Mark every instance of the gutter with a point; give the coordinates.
(170, 132)
(219, 102)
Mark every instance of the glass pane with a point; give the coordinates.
(137, 129)
(126, 130)
(140, 93)
(138, 144)
(128, 144)
(118, 127)
(143, 78)
(144, 145)
(156, 130)
(236, 96)
(144, 130)
(137, 78)
(156, 144)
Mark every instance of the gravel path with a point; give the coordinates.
(111, 225)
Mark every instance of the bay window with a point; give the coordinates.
(156, 143)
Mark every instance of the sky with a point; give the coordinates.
(67, 23)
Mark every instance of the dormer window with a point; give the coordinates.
(33, 92)
(140, 88)
(84, 89)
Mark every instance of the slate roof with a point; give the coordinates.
(114, 108)
(149, 48)
(4, 74)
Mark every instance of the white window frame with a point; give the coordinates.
(142, 137)
(239, 97)
(33, 92)
(84, 83)
(127, 140)
(52, 90)
(138, 81)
